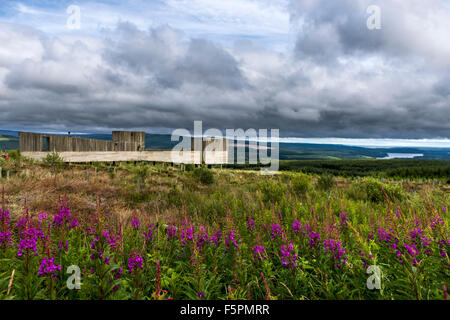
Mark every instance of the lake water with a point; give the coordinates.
(402, 156)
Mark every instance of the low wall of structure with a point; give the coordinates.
(194, 157)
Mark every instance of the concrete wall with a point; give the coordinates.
(117, 156)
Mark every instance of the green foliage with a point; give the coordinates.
(326, 182)
(301, 183)
(14, 155)
(272, 190)
(54, 162)
(374, 189)
(174, 196)
(397, 168)
(203, 175)
(140, 170)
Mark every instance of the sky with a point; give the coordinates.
(310, 68)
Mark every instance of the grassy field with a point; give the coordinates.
(157, 232)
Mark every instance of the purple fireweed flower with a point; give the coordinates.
(29, 241)
(418, 222)
(437, 222)
(150, 235)
(426, 242)
(364, 261)
(90, 231)
(135, 262)
(73, 224)
(384, 236)
(332, 229)
(259, 253)
(442, 246)
(415, 234)
(334, 247)
(111, 239)
(65, 219)
(94, 242)
(97, 244)
(288, 257)
(276, 230)
(216, 238)
(42, 216)
(65, 245)
(413, 252)
(230, 237)
(48, 267)
(117, 273)
(314, 238)
(442, 243)
(187, 235)
(202, 237)
(250, 224)
(201, 295)
(171, 231)
(343, 217)
(297, 226)
(4, 217)
(5, 239)
(22, 222)
(135, 223)
(444, 209)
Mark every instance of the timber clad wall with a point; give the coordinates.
(128, 141)
(122, 141)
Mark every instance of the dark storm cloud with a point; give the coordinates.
(341, 79)
(162, 55)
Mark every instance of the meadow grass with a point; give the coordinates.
(162, 233)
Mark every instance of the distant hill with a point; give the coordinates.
(288, 151)
(8, 142)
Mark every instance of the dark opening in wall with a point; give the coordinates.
(45, 144)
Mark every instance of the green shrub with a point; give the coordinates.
(14, 155)
(204, 175)
(189, 167)
(301, 183)
(326, 182)
(374, 190)
(174, 196)
(53, 161)
(272, 190)
(356, 192)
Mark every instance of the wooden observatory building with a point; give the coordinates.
(41, 142)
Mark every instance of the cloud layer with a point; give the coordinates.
(336, 79)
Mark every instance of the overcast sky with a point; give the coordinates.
(311, 68)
